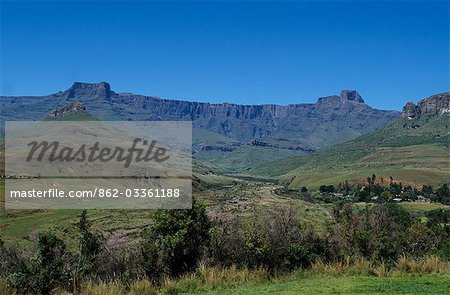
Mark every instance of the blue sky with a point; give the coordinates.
(248, 53)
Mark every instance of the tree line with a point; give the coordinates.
(375, 191)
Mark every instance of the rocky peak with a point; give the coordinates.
(351, 95)
(73, 107)
(410, 110)
(434, 105)
(80, 89)
(346, 95)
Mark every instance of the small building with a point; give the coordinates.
(421, 198)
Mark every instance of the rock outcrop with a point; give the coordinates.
(351, 95)
(410, 110)
(434, 105)
(73, 107)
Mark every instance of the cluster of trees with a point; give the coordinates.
(386, 231)
(49, 264)
(374, 191)
(178, 240)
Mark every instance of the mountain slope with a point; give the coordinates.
(414, 149)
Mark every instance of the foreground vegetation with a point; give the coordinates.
(428, 275)
(184, 251)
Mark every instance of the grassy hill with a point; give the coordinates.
(414, 151)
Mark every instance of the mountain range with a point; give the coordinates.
(224, 134)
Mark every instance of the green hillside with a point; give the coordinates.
(414, 151)
(242, 158)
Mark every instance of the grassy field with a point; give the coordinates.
(421, 207)
(416, 177)
(118, 226)
(430, 284)
(411, 151)
(243, 157)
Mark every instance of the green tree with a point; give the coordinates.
(387, 196)
(427, 190)
(89, 246)
(176, 241)
(443, 194)
(49, 269)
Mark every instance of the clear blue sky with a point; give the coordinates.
(249, 53)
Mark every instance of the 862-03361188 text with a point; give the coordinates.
(98, 193)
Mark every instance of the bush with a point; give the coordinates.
(39, 273)
(175, 242)
(326, 189)
(272, 240)
(378, 233)
(50, 264)
(89, 247)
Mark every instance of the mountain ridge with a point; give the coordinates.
(332, 119)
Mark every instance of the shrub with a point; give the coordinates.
(271, 239)
(50, 264)
(377, 233)
(326, 189)
(175, 242)
(421, 239)
(89, 246)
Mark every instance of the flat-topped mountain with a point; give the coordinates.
(331, 120)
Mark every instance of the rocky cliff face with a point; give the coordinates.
(73, 107)
(79, 89)
(351, 95)
(331, 120)
(434, 105)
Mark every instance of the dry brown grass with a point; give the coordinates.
(3, 288)
(212, 278)
(91, 288)
(381, 270)
(427, 265)
(361, 266)
(348, 265)
(144, 287)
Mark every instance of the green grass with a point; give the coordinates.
(313, 179)
(422, 207)
(411, 151)
(243, 158)
(18, 226)
(205, 137)
(430, 284)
